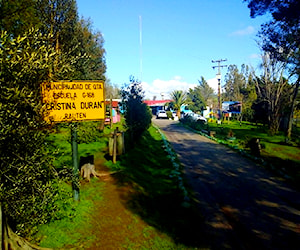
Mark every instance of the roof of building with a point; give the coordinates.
(157, 102)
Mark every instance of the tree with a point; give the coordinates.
(272, 90)
(240, 87)
(137, 114)
(90, 44)
(28, 189)
(111, 90)
(179, 97)
(206, 91)
(18, 16)
(196, 100)
(281, 37)
(28, 182)
(59, 18)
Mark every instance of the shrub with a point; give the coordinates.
(28, 182)
(169, 115)
(137, 114)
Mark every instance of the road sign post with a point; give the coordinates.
(74, 144)
(67, 101)
(73, 101)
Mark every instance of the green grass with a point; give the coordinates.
(70, 230)
(61, 143)
(282, 159)
(158, 199)
(155, 217)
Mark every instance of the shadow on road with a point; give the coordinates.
(243, 205)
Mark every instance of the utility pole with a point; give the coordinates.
(219, 84)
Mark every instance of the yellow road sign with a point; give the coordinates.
(67, 101)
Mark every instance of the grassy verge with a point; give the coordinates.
(149, 210)
(71, 231)
(158, 196)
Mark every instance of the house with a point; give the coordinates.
(156, 105)
(116, 117)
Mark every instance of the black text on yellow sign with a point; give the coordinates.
(67, 101)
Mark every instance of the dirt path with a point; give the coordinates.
(114, 226)
(244, 206)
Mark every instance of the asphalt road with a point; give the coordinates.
(244, 206)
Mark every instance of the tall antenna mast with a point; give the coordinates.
(141, 49)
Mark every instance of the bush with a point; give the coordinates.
(169, 115)
(28, 189)
(137, 114)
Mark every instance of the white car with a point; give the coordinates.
(197, 117)
(161, 114)
(200, 118)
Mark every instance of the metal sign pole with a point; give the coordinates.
(74, 144)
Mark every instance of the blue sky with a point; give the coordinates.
(180, 38)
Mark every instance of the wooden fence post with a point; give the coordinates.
(115, 145)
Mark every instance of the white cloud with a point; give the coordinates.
(255, 56)
(165, 87)
(213, 83)
(244, 32)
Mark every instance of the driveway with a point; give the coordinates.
(244, 206)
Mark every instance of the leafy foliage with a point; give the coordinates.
(240, 86)
(137, 114)
(206, 91)
(29, 192)
(111, 90)
(196, 99)
(90, 44)
(60, 49)
(273, 91)
(280, 36)
(17, 16)
(179, 97)
(58, 18)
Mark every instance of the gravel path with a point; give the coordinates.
(243, 205)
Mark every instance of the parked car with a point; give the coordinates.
(196, 117)
(161, 114)
(200, 118)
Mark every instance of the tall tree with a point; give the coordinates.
(27, 192)
(179, 97)
(137, 114)
(90, 44)
(273, 90)
(207, 92)
(281, 36)
(235, 83)
(18, 16)
(239, 87)
(59, 18)
(196, 100)
(29, 57)
(112, 90)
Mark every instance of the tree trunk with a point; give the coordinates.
(291, 114)
(11, 241)
(87, 170)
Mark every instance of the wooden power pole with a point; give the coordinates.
(219, 83)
